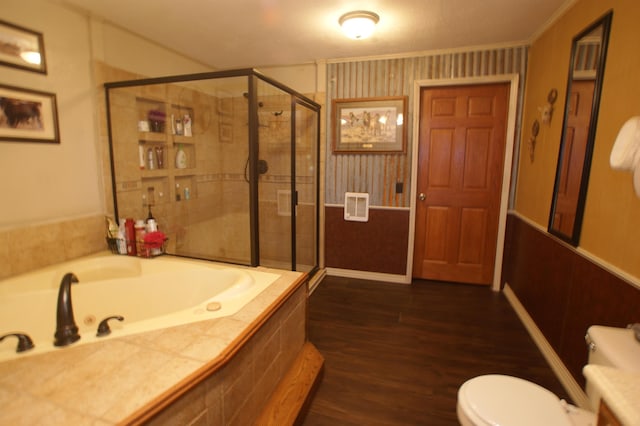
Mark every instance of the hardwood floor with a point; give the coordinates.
(397, 354)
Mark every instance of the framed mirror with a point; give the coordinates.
(586, 72)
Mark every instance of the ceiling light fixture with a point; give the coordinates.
(358, 24)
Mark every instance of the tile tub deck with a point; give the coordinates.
(222, 369)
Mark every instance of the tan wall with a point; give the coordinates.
(42, 183)
(611, 227)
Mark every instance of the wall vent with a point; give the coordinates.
(356, 206)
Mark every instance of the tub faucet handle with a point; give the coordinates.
(103, 327)
(24, 342)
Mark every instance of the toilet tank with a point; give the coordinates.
(611, 347)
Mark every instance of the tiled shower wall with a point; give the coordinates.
(219, 207)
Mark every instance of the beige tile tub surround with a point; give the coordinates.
(219, 371)
(29, 248)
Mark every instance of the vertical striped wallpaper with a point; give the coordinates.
(377, 174)
(587, 57)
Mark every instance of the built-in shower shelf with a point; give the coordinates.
(164, 186)
(182, 139)
(184, 172)
(152, 137)
(150, 174)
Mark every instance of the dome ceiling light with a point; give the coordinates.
(358, 24)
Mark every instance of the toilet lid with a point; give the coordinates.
(505, 400)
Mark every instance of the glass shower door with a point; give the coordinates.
(288, 185)
(274, 181)
(306, 187)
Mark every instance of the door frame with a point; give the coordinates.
(509, 154)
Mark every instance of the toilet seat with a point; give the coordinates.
(494, 399)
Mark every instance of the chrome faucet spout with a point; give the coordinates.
(66, 328)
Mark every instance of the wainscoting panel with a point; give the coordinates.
(563, 291)
(379, 245)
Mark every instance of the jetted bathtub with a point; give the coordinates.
(149, 293)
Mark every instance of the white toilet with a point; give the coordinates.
(505, 400)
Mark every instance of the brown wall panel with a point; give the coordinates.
(540, 274)
(379, 245)
(564, 292)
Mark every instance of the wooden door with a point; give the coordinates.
(573, 152)
(460, 165)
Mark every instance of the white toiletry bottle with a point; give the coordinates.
(141, 156)
(186, 124)
(152, 226)
(181, 158)
(150, 160)
(122, 243)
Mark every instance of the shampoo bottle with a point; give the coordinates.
(122, 242)
(140, 231)
(186, 124)
(181, 158)
(130, 237)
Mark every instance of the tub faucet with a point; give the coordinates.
(66, 328)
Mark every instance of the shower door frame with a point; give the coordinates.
(296, 99)
(252, 78)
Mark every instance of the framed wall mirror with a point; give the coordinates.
(586, 72)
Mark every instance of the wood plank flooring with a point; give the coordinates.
(397, 354)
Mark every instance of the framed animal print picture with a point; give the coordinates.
(28, 116)
(374, 125)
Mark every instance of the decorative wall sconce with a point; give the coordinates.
(547, 111)
(625, 154)
(535, 129)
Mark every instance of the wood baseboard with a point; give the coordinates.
(289, 401)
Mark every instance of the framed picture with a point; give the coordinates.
(28, 116)
(21, 48)
(373, 125)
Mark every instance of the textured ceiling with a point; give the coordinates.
(248, 33)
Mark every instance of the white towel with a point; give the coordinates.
(625, 154)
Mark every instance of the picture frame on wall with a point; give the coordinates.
(28, 115)
(369, 125)
(22, 48)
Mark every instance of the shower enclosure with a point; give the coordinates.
(226, 162)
